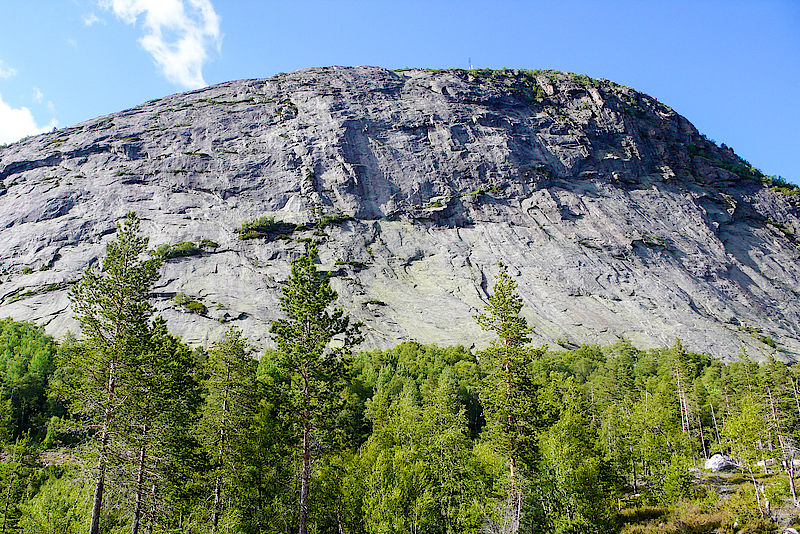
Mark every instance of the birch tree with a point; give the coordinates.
(229, 408)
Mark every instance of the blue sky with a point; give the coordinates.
(732, 68)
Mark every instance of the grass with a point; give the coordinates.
(738, 513)
(196, 307)
(758, 334)
(788, 191)
(780, 185)
(47, 288)
(352, 263)
(651, 241)
(250, 100)
(476, 193)
(743, 169)
(589, 244)
(332, 219)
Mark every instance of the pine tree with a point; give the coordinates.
(317, 371)
(116, 317)
(509, 395)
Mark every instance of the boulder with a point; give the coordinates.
(719, 463)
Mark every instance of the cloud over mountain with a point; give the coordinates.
(177, 34)
(16, 123)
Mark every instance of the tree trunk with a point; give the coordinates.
(8, 495)
(716, 429)
(152, 513)
(137, 506)
(97, 503)
(304, 476)
(702, 437)
(755, 486)
(796, 398)
(514, 499)
(221, 452)
(215, 509)
(98, 488)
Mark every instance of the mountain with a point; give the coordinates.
(614, 214)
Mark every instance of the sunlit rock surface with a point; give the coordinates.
(614, 215)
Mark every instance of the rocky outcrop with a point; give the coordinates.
(615, 216)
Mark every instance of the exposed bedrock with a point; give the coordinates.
(614, 215)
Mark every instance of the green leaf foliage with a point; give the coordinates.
(424, 439)
(27, 361)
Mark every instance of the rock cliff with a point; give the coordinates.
(615, 216)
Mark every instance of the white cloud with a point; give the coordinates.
(6, 71)
(16, 123)
(178, 34)
(38, 96)
(89, 19)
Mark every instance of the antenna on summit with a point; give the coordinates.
(469, 60)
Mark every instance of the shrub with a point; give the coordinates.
(184, 248)
(59, 507)
(780, 185)
(196, 307)
(264, 227)
(178, 250)
(193, 306)
(334, 218)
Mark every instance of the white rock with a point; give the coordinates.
(719, 463)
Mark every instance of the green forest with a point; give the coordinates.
(124, 428)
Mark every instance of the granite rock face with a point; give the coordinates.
(615, 216)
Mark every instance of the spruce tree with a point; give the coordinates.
(113, 309)
(317, 370)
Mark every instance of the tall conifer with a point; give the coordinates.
(509, 396)
(317, 371)
(115, 315)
